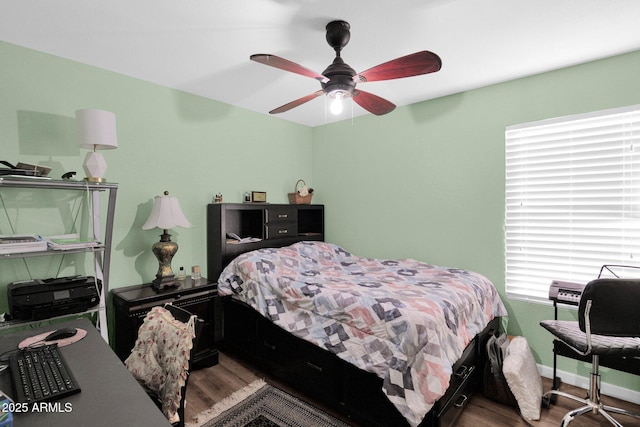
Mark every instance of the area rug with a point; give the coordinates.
(262, 405)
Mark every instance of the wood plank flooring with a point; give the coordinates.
(210, 385)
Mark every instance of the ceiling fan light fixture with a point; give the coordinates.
(336, 103)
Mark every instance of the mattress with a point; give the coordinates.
(404, 320)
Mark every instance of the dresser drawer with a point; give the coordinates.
(280, 214)
(317, 371)
(462, 369)
(463, 383)
(459, 400)
(279, 230)
(366, 401)
(277, 349)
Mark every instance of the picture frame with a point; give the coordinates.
(258, 197)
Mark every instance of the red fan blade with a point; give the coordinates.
(372, 103)
(407, 66)
(284, 64)
(297, 102)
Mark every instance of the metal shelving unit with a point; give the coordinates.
(102, 253)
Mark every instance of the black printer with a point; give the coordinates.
(45, 298)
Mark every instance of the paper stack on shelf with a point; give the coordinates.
(236, 239)
(21, 243)
(243, 240)
(70, 241)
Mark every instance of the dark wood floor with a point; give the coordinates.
(210, 385)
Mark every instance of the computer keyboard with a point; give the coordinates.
(41, 374)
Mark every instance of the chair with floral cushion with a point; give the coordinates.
(161, 357)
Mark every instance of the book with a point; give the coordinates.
(12, 244)
(70, 241)
(18, 239)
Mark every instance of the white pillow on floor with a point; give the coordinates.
(520, 370)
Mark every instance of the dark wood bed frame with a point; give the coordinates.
(313, 370)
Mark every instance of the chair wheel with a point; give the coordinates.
(547, 401)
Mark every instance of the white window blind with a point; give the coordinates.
(572, 199)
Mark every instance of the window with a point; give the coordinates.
(572, 199)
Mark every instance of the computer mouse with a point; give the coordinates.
(61, 334)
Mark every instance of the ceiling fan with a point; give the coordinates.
(339, 80)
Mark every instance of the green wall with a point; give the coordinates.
(168, 140)
(425, 182)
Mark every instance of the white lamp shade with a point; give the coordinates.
(96, 129)
(166, 213)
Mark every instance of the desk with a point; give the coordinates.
(109, 395)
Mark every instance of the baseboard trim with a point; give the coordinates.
(583, 382)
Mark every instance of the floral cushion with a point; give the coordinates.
(160, 357)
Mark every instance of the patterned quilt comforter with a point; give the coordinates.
(404, 320)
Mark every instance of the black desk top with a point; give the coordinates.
(145, 293)
(109, 395)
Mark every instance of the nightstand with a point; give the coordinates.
(200, 297)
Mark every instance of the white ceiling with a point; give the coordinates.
(203, 46)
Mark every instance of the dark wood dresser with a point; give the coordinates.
(200, 297)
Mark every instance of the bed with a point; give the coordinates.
(412, 330)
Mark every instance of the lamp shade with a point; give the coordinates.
(166, 214)
(96, 129)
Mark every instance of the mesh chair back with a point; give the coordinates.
(179, 313)
(615, 307)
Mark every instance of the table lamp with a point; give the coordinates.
(165, 214)
(96, 131)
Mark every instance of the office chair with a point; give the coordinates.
(161, 358)
(608, 324)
